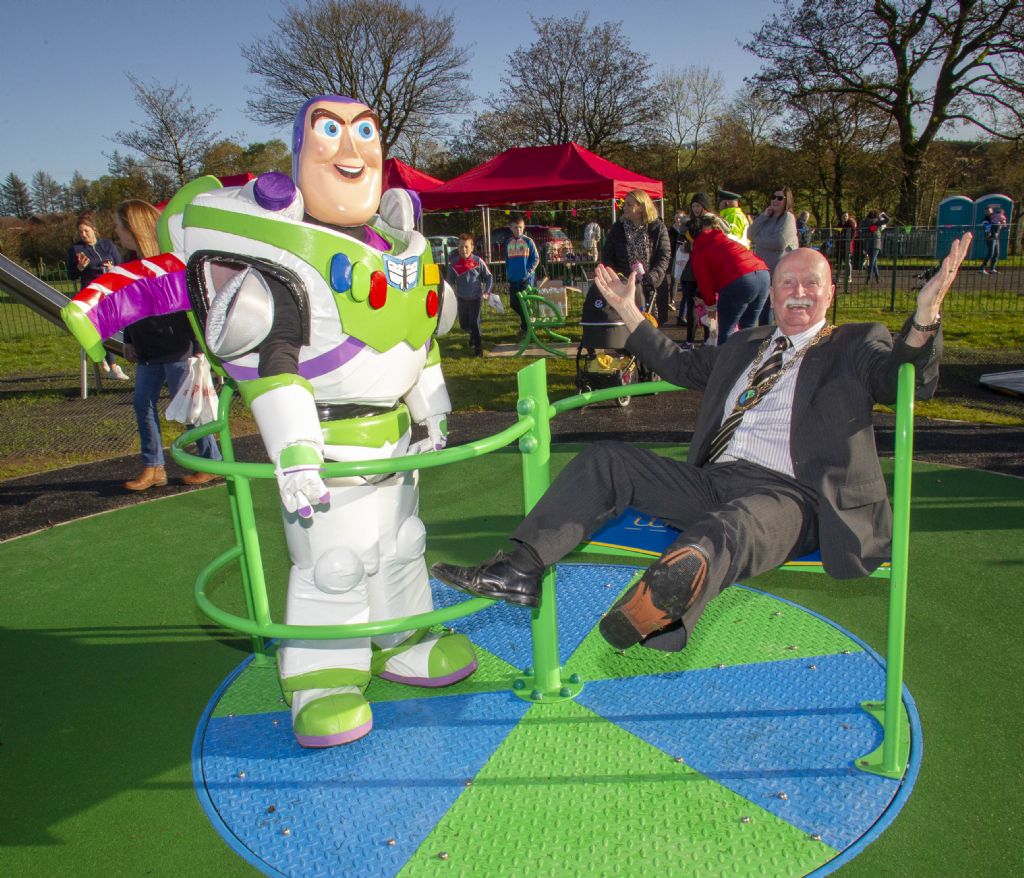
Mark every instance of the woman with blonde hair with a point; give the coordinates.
(639, 242)
(160, 347)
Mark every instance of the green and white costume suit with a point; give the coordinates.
(367, 369)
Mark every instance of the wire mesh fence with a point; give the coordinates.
(43, 416)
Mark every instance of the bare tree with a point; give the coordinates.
(174, 134)
(575, 83)
(941, 61)
(403, 62)
(834, 135)
(690, 100)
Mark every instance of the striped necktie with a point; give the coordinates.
(770, 367)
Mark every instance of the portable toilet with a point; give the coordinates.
(978, 248)
(956, 216)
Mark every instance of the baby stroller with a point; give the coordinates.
(601, 358)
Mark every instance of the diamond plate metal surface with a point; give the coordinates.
(469, 780)
(740, 626)
(341, 805)
(568, 794)
(782, 734)
(584, 593)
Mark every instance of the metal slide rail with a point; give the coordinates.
(543, 681)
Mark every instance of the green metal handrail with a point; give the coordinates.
(542, 681)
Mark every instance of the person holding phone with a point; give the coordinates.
(88, 258)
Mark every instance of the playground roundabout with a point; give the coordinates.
(757, 750)
(734, 757)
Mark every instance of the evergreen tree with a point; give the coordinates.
(17, 201)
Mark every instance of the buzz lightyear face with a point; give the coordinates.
(338, 161)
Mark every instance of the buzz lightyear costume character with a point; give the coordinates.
(320, 301)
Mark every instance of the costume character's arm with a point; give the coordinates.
(118, 298)
(285, 411)
(429, 403)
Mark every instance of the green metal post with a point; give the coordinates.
(542, 682)
(891, 759)
(227, 450)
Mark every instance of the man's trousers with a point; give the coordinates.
(745, 519)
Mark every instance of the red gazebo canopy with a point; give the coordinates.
(566, 172)
(399, 175)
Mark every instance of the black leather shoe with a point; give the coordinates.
(496, 579)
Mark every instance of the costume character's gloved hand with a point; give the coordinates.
(298, 479)
(437, 435)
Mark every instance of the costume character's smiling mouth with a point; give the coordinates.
(350, 173)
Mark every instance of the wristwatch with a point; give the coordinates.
(930, 327)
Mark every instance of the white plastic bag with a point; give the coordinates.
(195, 402)
(494, 300)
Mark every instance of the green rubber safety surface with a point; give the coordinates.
(570, 794)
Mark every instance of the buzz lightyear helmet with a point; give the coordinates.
(299, 127)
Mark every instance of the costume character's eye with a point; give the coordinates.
(327, 127)
(366, 130)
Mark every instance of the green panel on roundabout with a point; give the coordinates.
(738, 627)
(589, 789)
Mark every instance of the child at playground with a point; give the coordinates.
(471, 279)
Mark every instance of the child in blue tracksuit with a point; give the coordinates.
(521, 261)
(471, 279)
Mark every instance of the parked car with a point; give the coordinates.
(552, 243)
(443, 248)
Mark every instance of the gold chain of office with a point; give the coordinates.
(753, 394)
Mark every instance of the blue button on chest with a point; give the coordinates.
(341, 273)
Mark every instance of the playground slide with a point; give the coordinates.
(26, 288)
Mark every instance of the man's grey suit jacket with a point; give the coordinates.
(832, 441)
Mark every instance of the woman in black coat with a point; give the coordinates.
(639, 242)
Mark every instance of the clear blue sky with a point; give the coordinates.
(63, 90)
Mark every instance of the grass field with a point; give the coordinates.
(39, 380)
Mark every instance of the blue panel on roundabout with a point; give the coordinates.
(585, 592)
(332, 811)
(767, 731)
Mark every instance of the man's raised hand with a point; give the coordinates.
(929, 300)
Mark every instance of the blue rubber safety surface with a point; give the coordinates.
(782, 734)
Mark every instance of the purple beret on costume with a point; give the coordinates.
(299, 126)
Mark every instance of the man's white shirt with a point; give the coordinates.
(763, 436)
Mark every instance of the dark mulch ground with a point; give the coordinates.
(36, 502)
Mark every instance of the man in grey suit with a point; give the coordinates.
(782, 461)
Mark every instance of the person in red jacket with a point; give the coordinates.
(728, 272)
